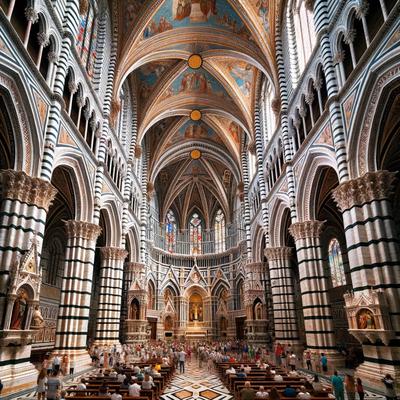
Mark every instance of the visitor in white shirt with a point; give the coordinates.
(116, 395)
(134, 390)
(303, 394)
(262, 393)
(278, 378)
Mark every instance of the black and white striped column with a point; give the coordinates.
(109, 311)
(73, 317)
(374, 255)
(23, 211)
(318, 322)
(283, 299)
(71, 21)
(321, 20)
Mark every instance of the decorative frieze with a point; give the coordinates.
(81, 229)
(306, 229)
(17, 185)
(113, 253)
(371, 186)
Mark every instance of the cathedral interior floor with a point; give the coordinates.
(196, 383)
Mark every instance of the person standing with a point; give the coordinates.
(360, 389)
(41, 384)
(182, 358)
(350, 386)
(308, 360)
(324, 363)
(56, 363)
(388, 381)
(54, 386)
(292, 361)
(337, 385)
(72, 366)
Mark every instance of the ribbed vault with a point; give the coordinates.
(205, 56)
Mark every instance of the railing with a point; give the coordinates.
(181, 242)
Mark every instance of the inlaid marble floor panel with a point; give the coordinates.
(196, 383)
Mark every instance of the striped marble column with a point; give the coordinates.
(111, 278)
(24, 204)
(319, 331)
(374, 256)
(70, 26)
(282, 290)
(322, 27)
(73, 317)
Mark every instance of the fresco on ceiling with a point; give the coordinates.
(131, 10)
(263, 12)
(232, 129)
(197, 81)
(242, 73)
(194, 131)
(184, 13)
(149, 75)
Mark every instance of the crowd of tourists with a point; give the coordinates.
(115, 362)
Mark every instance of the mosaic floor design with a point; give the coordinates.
(196, 383)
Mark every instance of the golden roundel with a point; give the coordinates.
(195, 115)
(195, 154)
(195, 61)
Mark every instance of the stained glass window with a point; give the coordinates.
(170, 231)
(86, 38)
(336, 263)
(195, 234)
(219, 227)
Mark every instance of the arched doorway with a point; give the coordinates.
(196, 308)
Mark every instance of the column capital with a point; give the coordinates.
(371, 186)
(278, 253)
(113, 253)
(135, 267)
(306, 229)
(82, 229)
(17, 185)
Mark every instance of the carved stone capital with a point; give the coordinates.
(17, 185)
(317, 84)
(302, 112)
(252, 147)
(43, 39)
(52, 57)
(339, 57)
(72, 86)
(82, 229)
(113, 253)
(371, 186)
(31, 14)
(306, 229)
(309, 98)
(349, 36)
(278, 253)
(135, 267)
(362, 9)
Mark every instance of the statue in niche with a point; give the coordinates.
(20, 310)
(37, 319)
(168, 323)
(365, 319)
(135, 310)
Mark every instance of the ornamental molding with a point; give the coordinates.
(17, 185)
(113, 253)
(278, 253)
(306, 229)
(81, 229)
(371, 186)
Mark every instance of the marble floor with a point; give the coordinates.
(196, 383)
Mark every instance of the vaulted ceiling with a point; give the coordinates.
(196, 67)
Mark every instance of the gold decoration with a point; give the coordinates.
(195, 115)
(195, 61)
(195, 154)
(83, 7)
